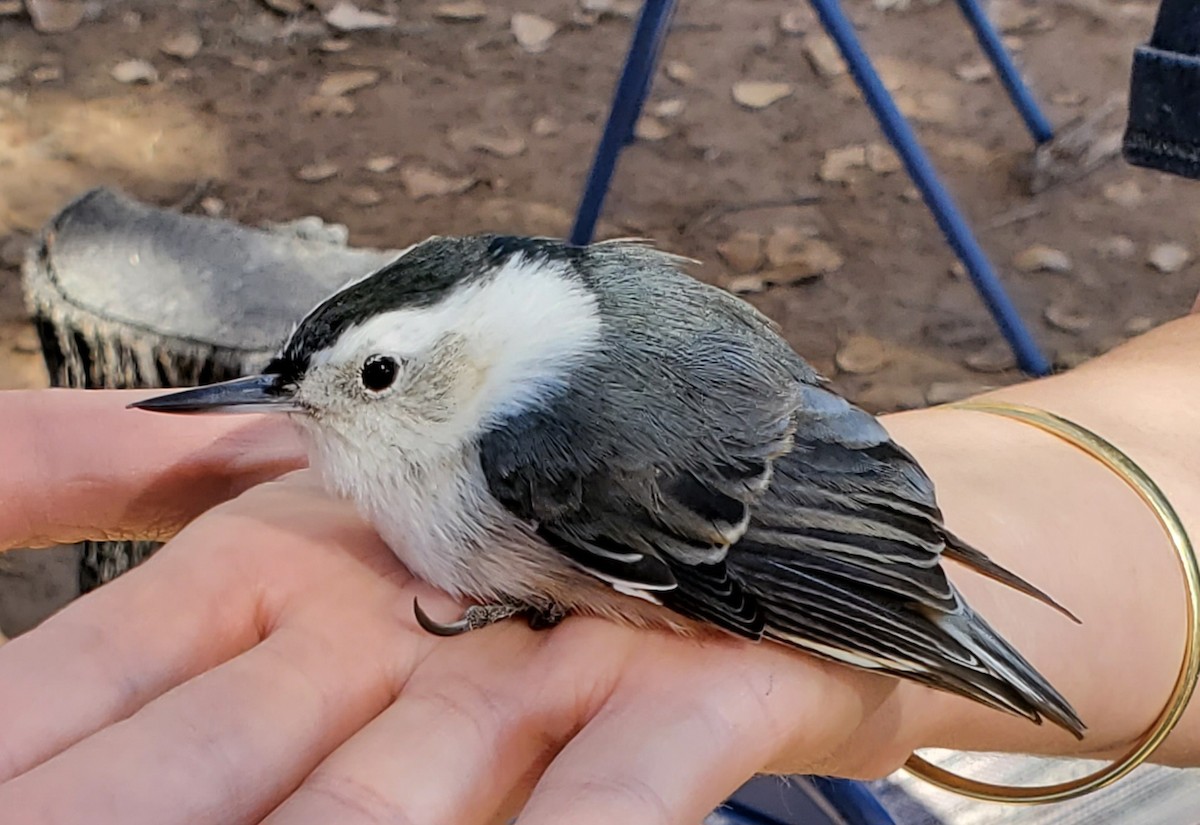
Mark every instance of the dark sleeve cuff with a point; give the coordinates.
(1164, 112)
(1164, 98)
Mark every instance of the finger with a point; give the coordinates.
(79, 465)
(460, 738)
(224, 747)
(657, 754)
(201, 600)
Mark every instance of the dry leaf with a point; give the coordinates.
(347, 17)
(1042, 258)
(532, 32)
(500, 144)
(758, 94)
(422, 182)
(134, 71)
(463, 12)
(1169, 257)
(317, 172)
(184, 45)
(335, 84)
(381, 163)
(55, 16)
(650, 128)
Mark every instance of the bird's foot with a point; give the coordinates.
(482, 615)
(544, 618)
(473, 618)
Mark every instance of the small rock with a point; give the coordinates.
(1169, 257)
(285, 6)
(669, 108)
(795, 22)
(958, 270)
(466, 11)
(55, 16)
(759, 94)
(1116, 248)
(317, 172)
(545, 126)
(134, 71)
(1126, 194)
(500, 144)
(745, 284)
(211, 206)
(743, 251)
(823, 55)
(421, 182)
(46, 74)
(838, 165)
(334, 45)
(364, 196)
(381, 163)
(336, 84)
(184, 45)
(650, 128)
(861, 355)
(680, 72)
(1139, 325)
(347, 17)
(532, 32)
(1041, 258)
(976, 72)
(1061, 316)
(995, 358)
(322, 106)
(882, 159)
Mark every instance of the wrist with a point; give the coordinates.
(1062, 520)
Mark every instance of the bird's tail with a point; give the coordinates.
(1006, 681)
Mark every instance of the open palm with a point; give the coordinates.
(266, 665)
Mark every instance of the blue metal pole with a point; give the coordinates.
(944, 210)
(989, 39)
(626, 106)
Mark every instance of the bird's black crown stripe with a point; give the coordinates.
(422, 277)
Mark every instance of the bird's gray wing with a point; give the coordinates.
(645, 468)
(843, 557)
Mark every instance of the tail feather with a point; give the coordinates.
(1002, 659)
(967, 555)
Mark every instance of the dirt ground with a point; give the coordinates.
(757, 158)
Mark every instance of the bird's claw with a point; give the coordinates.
(473, 618)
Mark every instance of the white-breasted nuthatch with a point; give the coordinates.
(549, 429)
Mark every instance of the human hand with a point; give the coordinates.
(266, 660)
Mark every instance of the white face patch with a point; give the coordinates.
(522, 330)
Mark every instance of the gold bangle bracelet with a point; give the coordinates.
(1185, 683)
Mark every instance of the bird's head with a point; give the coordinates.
(425, 353)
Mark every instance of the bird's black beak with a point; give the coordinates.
(253, 394)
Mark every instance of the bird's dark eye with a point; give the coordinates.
(379, 372)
